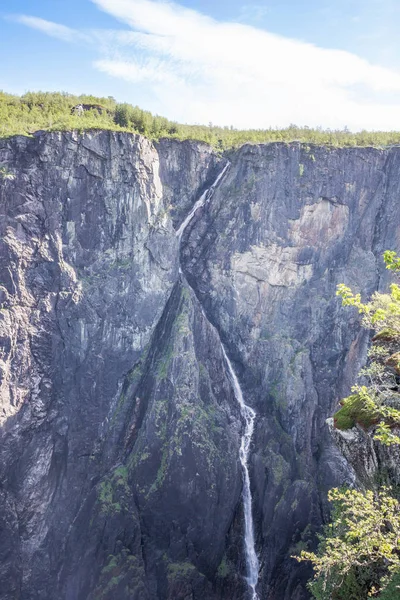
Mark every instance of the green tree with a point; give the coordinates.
(358, 556)
(52, 111)
(359, 552)
(377, 404)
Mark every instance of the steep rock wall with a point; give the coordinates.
(374, 464)
(287, 225)
(119, 471)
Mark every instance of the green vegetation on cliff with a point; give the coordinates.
(378, 403)
(358, 556)
(359, 553)
(55, 111)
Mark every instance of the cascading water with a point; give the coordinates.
(205, 197)
(248, 415)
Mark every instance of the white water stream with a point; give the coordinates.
(248, 415)
(205, 197)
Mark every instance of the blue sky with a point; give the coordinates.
(329, 63)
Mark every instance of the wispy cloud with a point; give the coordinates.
(203, 70)
(52, 29)
(253, 12)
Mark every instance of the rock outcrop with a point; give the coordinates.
(120, 432)
(373, 463)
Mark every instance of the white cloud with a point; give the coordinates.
(52, 29)
(203, 70)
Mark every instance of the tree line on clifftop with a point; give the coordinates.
(59, 112)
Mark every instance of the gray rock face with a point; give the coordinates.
(120, 432)
(374, 463)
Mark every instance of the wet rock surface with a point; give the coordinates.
(120, 431)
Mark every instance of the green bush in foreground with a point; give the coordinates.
(378, 403)
(359, 554)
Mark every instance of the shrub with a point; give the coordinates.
(359, 552)
(372, 405)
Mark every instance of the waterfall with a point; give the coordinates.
(205, 197)
(248, 415)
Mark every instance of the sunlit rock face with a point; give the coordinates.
(373, 463)
(120, 431)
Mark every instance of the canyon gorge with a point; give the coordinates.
(155, 353)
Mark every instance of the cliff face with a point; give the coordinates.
(374, 464)
(119, 470)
